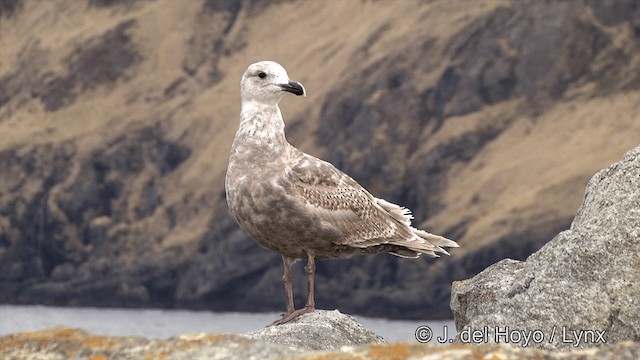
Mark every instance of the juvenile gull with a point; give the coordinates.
(300, 206)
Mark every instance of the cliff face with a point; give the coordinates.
(116, 118)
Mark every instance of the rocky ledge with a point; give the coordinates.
(321, 335)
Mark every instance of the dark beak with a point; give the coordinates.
(294, 87)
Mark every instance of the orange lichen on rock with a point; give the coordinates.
(394, 351)
(331, 356)
(69, 342)
(156, 356)
(97, 342)
(42, 337)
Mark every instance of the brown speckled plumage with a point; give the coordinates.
(300, 206)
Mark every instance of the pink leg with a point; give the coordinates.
(288, 283)
(310, 268)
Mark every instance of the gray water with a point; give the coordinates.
(155, 323)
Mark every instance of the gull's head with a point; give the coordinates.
(266, 82)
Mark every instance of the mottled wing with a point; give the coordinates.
(340, 201)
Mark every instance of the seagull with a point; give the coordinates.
(300, 206)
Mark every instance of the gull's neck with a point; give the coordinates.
(261, 131)
(262, 121)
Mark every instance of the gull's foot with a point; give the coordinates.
(288, 317)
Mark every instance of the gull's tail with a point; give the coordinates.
(414, 242)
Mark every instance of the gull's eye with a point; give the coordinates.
(262, 75)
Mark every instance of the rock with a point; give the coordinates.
(76, 344)
(66, 343)
(319, 330)
(586, 279)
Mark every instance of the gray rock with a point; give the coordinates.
(319, 330)
(72, 344)
(587, 279)
(64, 343)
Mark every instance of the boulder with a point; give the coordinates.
(319, 330)
(582, 289)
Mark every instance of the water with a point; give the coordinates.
(155, 323)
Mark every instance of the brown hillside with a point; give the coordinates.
(486, 118)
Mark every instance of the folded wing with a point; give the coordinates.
(362, 219)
